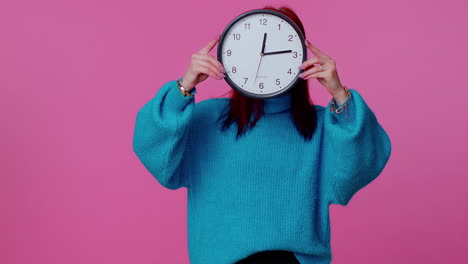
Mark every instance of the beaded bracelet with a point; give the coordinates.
(344, 105)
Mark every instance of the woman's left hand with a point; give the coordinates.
(325, 73)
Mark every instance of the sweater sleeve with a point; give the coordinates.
(161, 135)
(356, 149)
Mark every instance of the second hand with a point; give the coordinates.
(256, 75)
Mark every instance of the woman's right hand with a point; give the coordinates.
(203, 65)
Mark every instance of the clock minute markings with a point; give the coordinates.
(245, 27)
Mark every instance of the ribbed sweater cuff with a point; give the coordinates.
(176, 99)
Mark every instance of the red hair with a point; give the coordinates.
(302, 109)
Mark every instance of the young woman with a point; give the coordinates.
(260, 174)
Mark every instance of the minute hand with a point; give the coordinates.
(277, 52)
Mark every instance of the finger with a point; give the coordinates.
(210, 45)
(209, 65)
(315, 50)
(214, 61)
(320, 74)
(208, 71)
(214, 68)
(310, 62)
(312, 70)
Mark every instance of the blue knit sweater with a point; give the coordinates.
(270, 189)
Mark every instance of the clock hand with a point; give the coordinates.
(277, 52)
(256, 74)
(261, 56)
(263, 45)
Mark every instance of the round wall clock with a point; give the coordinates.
(261, 51)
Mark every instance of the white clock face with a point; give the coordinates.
(249, 71)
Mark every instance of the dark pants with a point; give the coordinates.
(270, 257)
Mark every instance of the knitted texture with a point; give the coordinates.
(268, 190)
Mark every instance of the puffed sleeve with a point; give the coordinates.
(356, 149)
(161, 135)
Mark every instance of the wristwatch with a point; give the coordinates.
(183, 90)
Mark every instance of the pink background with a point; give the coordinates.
(73, 75)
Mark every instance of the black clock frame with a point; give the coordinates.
(285, 18)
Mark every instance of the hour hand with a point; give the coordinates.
(263, 45)
(277, 52)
